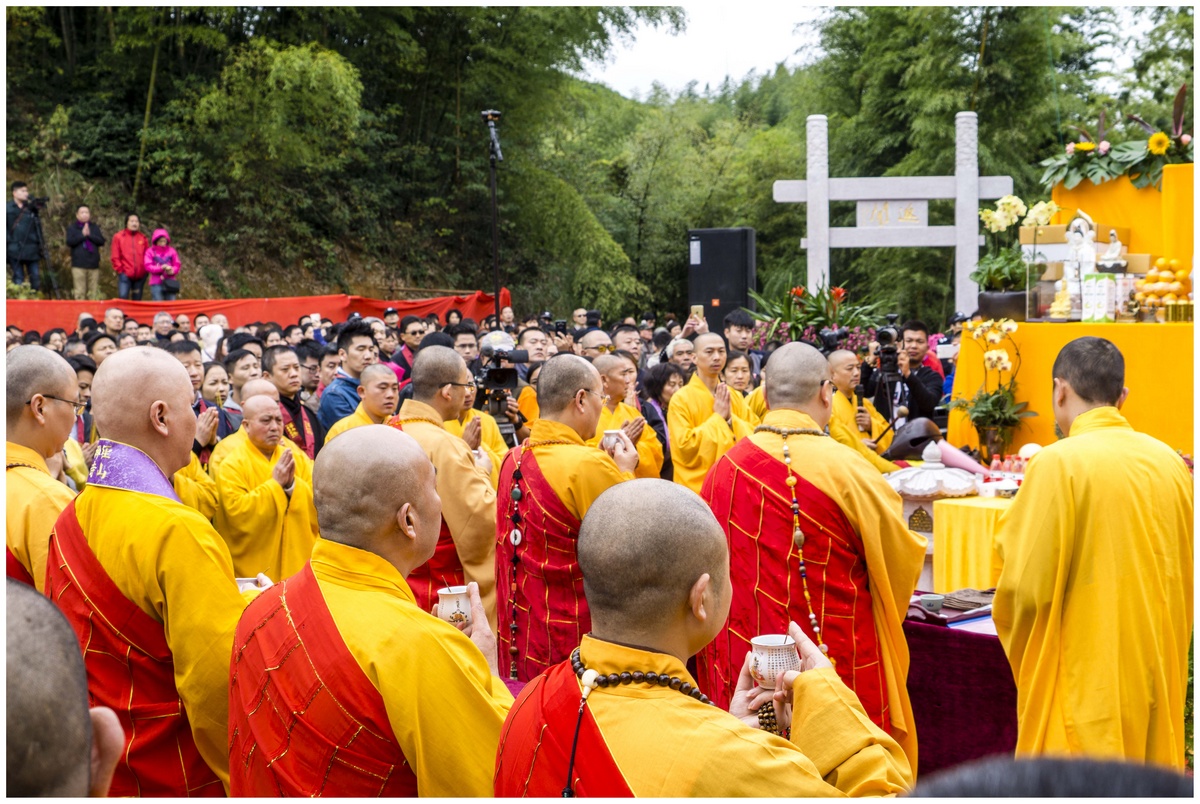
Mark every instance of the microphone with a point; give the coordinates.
(858, 393)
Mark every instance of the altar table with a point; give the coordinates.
(963, 534)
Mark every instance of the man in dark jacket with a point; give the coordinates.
(84, 239)
(920, 387)
(24, 240)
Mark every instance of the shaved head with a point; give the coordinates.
(33, 370)
(374, 372)
(433, 369)
(642, 546)
(607, 363)
(259, 387)
(258, 404)
(49, 729)
(143, 397)
(844, 370)
(842, 356)
(796, 373)
(561, 378)
(702, 340)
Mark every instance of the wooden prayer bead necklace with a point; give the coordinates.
(638, 677)
(797, 533)
(408, 419)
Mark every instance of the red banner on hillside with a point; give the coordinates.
(44, 315)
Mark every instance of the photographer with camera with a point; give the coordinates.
(912, 385)
(24, 240)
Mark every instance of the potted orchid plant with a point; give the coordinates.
(994, 411)
(1001, 274)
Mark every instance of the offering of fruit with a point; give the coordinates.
(1174, 264)
(1161, 262)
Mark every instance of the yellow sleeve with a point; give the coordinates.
(469, 508)
(196, 489)
(246, 507)
(76, 467)
(528, 405)
(697, 438)
(850, 752)
(300, 522)
(493, 444)
(592, 477)
(650, 454)
(878, 425)
(840, 433)
(33, 508)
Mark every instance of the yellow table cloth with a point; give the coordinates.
(963, 532)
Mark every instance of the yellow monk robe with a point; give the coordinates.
(834, 749)
(415, 659)
(265, 530)
(196, 489)
(230, 442)
(167, 560)
(490, 439)
(849, 436)
(577, 477)
(356, 419)
(528, 405)
(699, 437)
(468, 497)
(844, 411)
(34, 502)
(650, 454)
(1093, 571)
(75, 467)
(756, 403)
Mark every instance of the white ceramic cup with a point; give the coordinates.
(770, 655)
(610, 440)
(454, 605)
(932, 602)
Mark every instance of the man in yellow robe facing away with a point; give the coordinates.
(859, 428)
(1093, 571)
(380, 391)
(705, 418)
(264, 491)
(480, 431)
(618, 382)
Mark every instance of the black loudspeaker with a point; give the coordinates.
(720, 272)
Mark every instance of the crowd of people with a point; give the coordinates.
(250, 530)
(135, 259)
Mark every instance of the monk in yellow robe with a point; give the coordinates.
(264, 491)
(226, 445)
(849, 574)
(1093, 570)
(845, 371)
(127, 552)
(480, 431)
(382, 694)
(379, 391)
(196, 489)
(527, 403)
(656, 574)
(705, 418)
(618, 381)
(756, 403)
(467, 549)
(41, 412)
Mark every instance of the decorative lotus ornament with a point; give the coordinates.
(933, 480)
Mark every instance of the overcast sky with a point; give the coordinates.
(727, 38)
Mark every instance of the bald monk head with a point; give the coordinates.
(379, 389)
(42, 392)
(655, 567)
(143, 397)
(710, 357)
(263, 422)
(797, 379)
(374, 489)
(845, 371)
(440, 379)
(618, 373)
(569, 392)
(259, 387)
(56, 745)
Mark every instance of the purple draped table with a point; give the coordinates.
(963, 697)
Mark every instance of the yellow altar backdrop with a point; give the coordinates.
(1159, 372)
(964, 530)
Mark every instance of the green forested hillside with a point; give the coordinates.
(306, 150)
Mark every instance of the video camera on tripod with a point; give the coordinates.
(495, 382)
(889, 349)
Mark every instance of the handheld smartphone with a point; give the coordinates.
(560, 326)
(698, 312)
(945, 351)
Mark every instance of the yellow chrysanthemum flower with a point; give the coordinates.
(1158, 144)
(1085, 146)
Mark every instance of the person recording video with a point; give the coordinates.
(24, 241)
(919, 388)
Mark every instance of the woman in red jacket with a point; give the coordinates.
(128, 252)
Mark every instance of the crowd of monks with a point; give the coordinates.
(260, 614)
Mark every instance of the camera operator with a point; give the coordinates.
(24, 240)
(920, 387)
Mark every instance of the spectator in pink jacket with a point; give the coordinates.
(162, 263)
(128, 258)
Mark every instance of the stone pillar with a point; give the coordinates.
(966, 210)
(817, 136)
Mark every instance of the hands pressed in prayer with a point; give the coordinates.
(631, 396)
(206, 427)
(721, 404)
(624, 453)
(284, 470)
(748, 697)
(633, 428)
(89, 454)
(473, 433)
(478, 630)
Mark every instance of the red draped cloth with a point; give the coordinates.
(16, 570)
(442, 570)
(535, 744)
(129, 669)
(747, 492)
(541, 610)
(304, 720)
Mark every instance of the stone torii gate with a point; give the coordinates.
(895, 211)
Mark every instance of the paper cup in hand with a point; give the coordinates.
(770, 655)
(610, 440)
(454, 605)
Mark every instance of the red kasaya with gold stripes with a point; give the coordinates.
(748, 494)
(545, 586)
(304, 719)
(129, 669)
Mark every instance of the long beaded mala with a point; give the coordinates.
(515, 538)
(797, 533)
